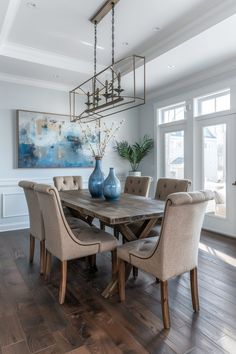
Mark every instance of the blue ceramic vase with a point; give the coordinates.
(112, 188)
(96, 180)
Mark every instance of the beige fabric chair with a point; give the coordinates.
(36, 223)
(166, 186)
(65, 183)
(138, 185)
(65, 243)
(70, 183)
(175, 251)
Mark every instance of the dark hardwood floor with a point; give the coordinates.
(32, 321)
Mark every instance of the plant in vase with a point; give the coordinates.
(98, 137)
(134, 153)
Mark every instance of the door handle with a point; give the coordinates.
(234, 184)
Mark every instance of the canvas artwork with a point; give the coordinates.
(51, 141)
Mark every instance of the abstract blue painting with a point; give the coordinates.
(51, 141)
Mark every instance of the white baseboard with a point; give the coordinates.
(14, 226)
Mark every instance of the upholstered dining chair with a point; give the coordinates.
(66, 243)
(70, 183)
(65, 183)
(174, 252)
(165, 187)
(36, 223)
(136, 185)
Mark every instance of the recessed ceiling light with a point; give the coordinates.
(157, 28)
(91, 45)
(171, 66)
(31, 5)
(125, 43)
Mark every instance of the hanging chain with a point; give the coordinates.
(113, 33)
(95, 48)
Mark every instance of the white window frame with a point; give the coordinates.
(161, 131)
(213, 95)
(162, 110)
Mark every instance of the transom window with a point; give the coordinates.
(212, 103)
(172, 113)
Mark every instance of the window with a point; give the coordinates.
(214, 138)
(172, 113)
(174, 154)
(212, 103)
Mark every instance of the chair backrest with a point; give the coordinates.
(138, 185)
(177, 249)
(60, 240)
(166, 186)
(35, 215)
(65, 183)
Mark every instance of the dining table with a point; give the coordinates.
(120, 214)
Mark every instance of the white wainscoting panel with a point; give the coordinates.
(13, 206)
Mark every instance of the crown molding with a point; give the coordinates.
(9, 19)
(22, 80)
(42, 57)
(192, 26)
(223, 71)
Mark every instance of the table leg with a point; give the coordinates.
(128, 234)
(142, 233)
(112, 287)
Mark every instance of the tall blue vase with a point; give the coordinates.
(112, 188)
(96, 180)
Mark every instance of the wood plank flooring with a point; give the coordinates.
(32, 321)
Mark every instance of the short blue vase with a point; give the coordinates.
(111, 188)
(96, 180)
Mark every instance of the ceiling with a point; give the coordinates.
(50, 43)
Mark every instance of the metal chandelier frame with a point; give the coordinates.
(104, 92)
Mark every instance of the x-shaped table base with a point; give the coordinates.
(128, 235)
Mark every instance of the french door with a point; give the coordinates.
(172, 151)
(215, 169)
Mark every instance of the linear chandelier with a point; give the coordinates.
(119, 87)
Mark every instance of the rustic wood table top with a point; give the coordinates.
(129, 208)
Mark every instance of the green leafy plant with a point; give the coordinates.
(136, 152)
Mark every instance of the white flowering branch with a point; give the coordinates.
(98, 136)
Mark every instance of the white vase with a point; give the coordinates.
(135, 173)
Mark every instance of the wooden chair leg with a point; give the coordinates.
(122, 280)
(165, 304)
(194, 289)
(42, 256)
(114, 262)
(135, 272)
(92, 262)
(102, 226)
(48, 264)
(116, 233)
(62, 291)
(32, 245)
